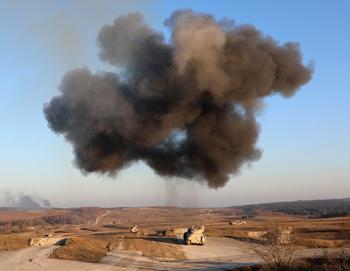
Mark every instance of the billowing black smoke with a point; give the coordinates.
(187, 108)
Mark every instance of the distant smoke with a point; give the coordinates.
(181, 193)
(187, 108)
(24, 201)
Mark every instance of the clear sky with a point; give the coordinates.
(305, 139)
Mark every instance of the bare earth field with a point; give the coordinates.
(99, 239)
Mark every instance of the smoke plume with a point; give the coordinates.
(186, 107)
(26, 202)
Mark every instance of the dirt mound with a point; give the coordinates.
(13, 241)
(149, 248)
(47, 241)
(81, 249)
(226, 232)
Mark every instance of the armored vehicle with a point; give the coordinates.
(134, 229)
(194, 236)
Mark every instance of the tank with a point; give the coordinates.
(134, 229)
(195, 236)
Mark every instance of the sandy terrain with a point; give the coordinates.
(217, 254)
(227, 245)
(36, 259)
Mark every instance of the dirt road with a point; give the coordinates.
(36, 259)
(97, 220)
(218, 254)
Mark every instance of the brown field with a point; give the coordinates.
(321, 233)
(92, 233)
(13, 241)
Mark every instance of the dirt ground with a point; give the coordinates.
(103, 242)
(150, 247)
(219, 254)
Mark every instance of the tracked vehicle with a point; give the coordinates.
(195, 236)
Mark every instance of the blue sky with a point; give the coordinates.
(305, 139)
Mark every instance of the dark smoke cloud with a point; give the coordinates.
(26, 202)
(187, 108)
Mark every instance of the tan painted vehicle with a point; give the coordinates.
(195, 236)
(134, 229)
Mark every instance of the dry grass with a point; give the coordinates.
(81, 249)
(11, 215)
(149, 248)
(248, 268)
(334, 263)
(312, 233)
(13, 241)
(93, 249)
(277, 249)
(228, 233)
(322, 243)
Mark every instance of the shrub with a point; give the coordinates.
(277, 249)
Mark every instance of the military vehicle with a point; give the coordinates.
(134, 229)
(194, 236)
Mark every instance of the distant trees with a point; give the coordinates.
(62, 219)
(7, 227)
(15, 226)
(312, 208)
(68, 216)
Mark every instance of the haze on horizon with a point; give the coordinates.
(304, 140)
